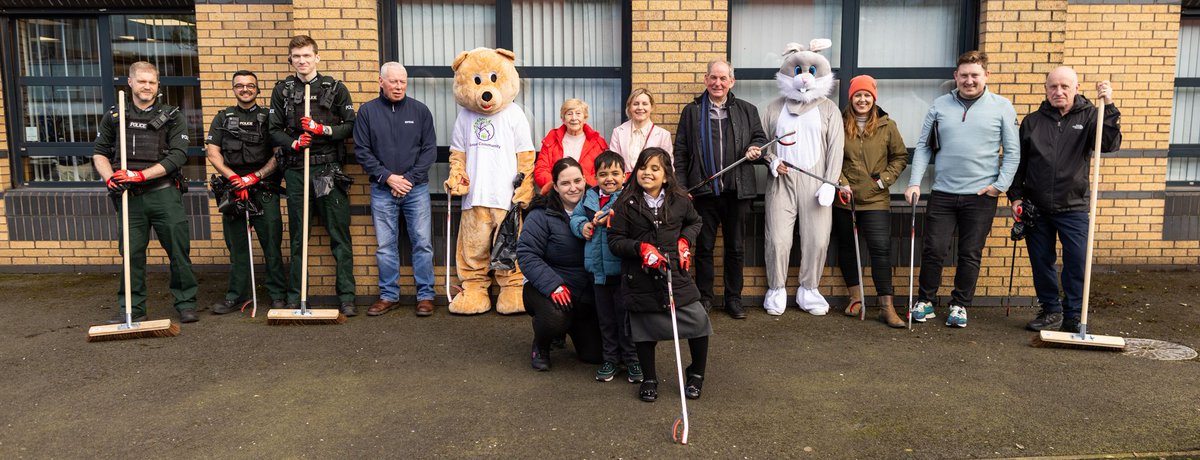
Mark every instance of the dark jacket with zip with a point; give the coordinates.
(395, 138)
(549, 254)
(881, 155)
(1056, 152)
(747, 131)
(634, 223)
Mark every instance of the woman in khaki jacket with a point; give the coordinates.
(874, 158)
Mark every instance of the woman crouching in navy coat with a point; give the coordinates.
(653, 227)
(558, 289)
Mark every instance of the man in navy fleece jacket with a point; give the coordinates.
(395, 143)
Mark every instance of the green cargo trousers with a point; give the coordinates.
(161, 209)
(269, 227)
(334, 211)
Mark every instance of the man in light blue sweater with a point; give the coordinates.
(971, 171)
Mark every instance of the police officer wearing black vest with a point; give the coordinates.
(324, 134)
(239, 148)
(156, 145)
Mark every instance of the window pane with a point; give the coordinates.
(64, 168)
(167, 41)
(187, 98)
(751, 47)
(1185, 116)
(61, 113)
(438, 95)
(58, 47)
(578, 33)
(433, 32)
(1183, 169)
(929, 29)
(1189, 48)
(542, 97)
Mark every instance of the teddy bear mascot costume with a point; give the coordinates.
(490, 148)
(805, 81)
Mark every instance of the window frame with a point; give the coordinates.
(107, 81)
(1185, 150)
(389, 50)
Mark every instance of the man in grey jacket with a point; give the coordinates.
(973, 125)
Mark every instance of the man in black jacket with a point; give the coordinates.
(716, 130)
(1056, 149)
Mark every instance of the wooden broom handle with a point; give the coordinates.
(1095, 193)
(304, 237)
(124, 211)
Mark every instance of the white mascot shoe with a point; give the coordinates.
(775, 302)
(812, 301)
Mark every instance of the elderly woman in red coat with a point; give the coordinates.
(574, 139)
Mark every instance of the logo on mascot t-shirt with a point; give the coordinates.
(484, 130)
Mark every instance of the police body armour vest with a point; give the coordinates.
(146, 136)
(324, 89)
(244, 143)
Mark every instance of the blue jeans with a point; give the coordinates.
(418, 215)
(1071, 229)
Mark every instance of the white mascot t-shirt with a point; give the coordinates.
(491, 143)
(807, 146)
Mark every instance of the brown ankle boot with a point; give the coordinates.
(887, 313)
(855, 307)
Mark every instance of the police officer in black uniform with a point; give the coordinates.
(324, 134)
(239, 147)
(156, 145)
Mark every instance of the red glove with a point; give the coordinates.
(685, 255)
(305, 140)
(845, 195)
(114, 186)
(126, 176)
(312, 126)
(651, 257)
(241, 195)
(561, 297)
(244, 182)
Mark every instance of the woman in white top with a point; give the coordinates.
(639, 132)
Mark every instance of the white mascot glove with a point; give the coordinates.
(825, 195)
(775, 166)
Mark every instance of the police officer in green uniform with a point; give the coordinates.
(156, 143)
(324, 134)
(240, 149)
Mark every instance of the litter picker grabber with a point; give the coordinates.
(305, 315)
(912, 260)
(676, 435)
(862, 309)
(449, 210)
(728, 168)
(129, 329)
(1083, 339)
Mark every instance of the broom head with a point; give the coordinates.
(1072, 340)
(281, 317)
(140, 330)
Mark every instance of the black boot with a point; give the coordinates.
(539, 359)
(649, 390)
(119, 317)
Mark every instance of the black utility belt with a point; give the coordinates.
(317, 160)
(153, 186)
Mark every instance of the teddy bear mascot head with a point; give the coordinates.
(491, 167)
(805, 82)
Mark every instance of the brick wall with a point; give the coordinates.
(672, 42)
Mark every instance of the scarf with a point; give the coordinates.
(706, 148)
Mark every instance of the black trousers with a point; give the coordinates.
(971, 216)
(875, 230)
(614, 323)
(579, 322)
(728, 212)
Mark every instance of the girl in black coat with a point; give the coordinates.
(653, 227)
(558, 290)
